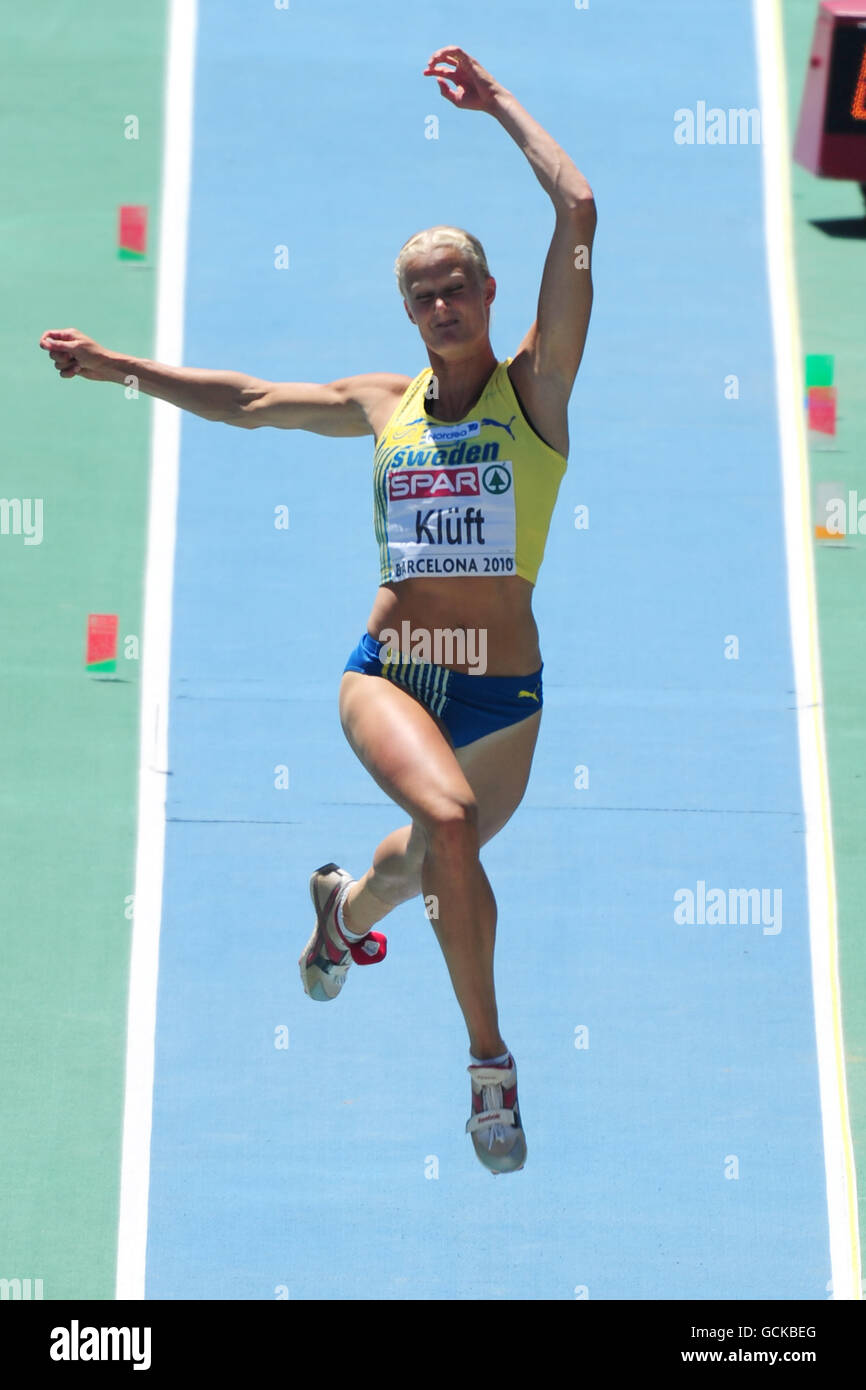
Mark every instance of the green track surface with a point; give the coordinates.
(831, 278)
(68, 758)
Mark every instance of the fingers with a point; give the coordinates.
(60, 343)
(453, 94)
(445, 75)
(56, 336)
(61, 351)
(454, 65)
(452, 55)
(437, 70)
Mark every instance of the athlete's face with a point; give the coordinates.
(446, 299)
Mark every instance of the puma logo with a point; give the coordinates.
(529, 694)
(501, 425)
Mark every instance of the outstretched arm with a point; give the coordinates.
(549, 355)
(337, 408)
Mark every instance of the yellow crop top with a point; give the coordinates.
(474, 497)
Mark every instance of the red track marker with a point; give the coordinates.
(101, 642)
(132, 233)
(822, 409)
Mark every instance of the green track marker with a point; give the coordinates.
(819, 369)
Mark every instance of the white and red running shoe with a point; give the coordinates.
(328, 954)
(497, 1133)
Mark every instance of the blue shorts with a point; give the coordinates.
(469, 706)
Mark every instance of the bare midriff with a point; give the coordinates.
(500, 608)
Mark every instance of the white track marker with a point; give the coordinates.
(838, 1148)
(156, 653)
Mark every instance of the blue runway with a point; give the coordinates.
(679, 1154)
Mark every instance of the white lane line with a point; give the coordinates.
(802, 601)
(156, 654)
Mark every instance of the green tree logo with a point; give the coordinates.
(496, 479)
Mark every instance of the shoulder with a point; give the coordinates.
(377, 394)
(541, 399)
(371, 385)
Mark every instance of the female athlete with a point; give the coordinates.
(441, 699)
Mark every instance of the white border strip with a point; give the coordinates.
(156, 654)
(802, 601)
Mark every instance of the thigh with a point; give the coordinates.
(497, 769)
(409, 756)
(403, 748)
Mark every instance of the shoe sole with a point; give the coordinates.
(314, 988)
(497, 1164)
(498, 1172)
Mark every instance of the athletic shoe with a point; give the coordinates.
(497, 1133)
(327, 955)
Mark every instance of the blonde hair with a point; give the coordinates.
(434, 237)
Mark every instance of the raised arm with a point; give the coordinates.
(349, 406)
(546, 361)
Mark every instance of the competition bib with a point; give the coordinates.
(453, 519)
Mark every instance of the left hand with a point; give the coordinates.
(474, 89)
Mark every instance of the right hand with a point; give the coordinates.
(474, 88)
(74, 354)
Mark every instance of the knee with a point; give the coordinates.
(452, 826)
